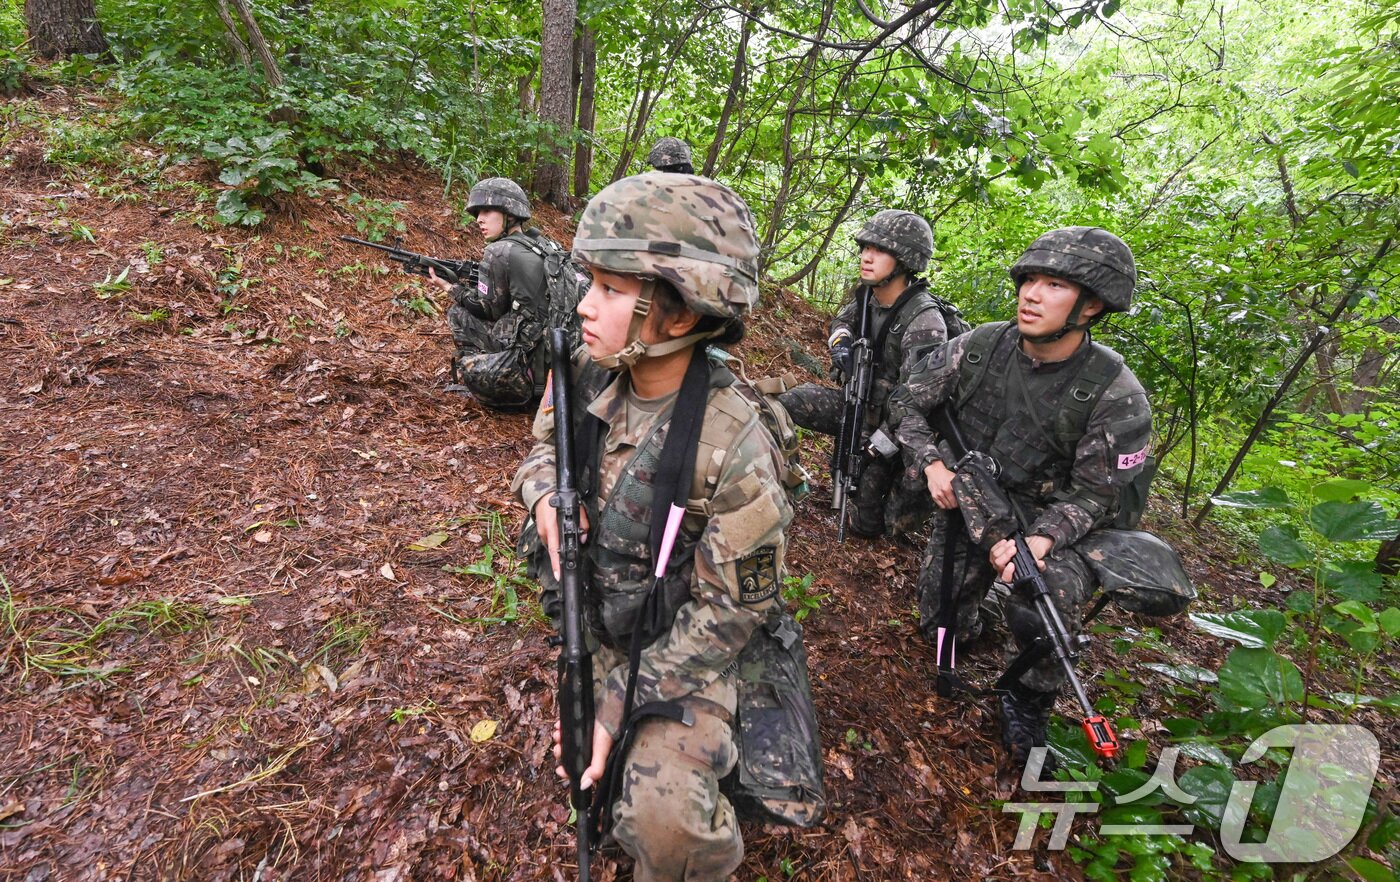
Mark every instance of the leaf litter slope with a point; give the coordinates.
(224, 658)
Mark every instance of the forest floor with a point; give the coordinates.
(258, 611)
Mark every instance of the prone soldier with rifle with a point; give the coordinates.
(891, 321)
(671, 572)
(1053, 451)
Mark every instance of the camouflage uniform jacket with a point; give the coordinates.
(510, 291)
(1070, 493)
(735, 522)
(918, 330)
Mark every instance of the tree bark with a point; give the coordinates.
(233, 38)
(60, 28)
(556, 97)
(737, 80)
(587, 111)
(258, 44)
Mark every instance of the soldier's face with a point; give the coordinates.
(491, 222)
(1043, 304)
(606, 311)
(875, 264)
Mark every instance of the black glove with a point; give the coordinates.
(841, 359)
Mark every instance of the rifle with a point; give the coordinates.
(575, 662)
(1056, 638)
(458, 272)
(850, 452)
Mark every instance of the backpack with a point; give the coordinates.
(952, 316)
(1093, 378)
(565, 282)
(762, 396)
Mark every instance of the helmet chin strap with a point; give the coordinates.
(635, 350)
(1071, 323)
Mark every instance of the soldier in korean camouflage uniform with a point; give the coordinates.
(671, 155)
(1009, 407)
(674, 264)
(895, 247)
(498, 326)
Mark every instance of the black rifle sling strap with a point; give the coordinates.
(877, 348)
(674, 474)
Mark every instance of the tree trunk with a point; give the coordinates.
(1366, 376)
(556, 98)
(587, 111)
(737, 78)
(234, 39)
(1388, 557)
(258, 44)
(60, 28)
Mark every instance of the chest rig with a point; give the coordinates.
(621, 557)
(888, 345)
(1030, 423)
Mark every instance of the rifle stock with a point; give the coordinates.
(1028, 577)
(458, 272)
(850, 452)
(575, 662)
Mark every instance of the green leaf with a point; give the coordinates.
(1353, 580)
(1206, 753)
(1350, 168)
(1184, 673)
(1353, 521)
(1267, 580)
(1264, 497)
(1340, 490)
(1359, 611)
(1369, 870)
(1253, 679)
(1390, 621)
(1253, 628)
(233, 176)
(1211, 787)
(1281, 544)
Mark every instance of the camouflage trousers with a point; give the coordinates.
(495, 372)
(970, 574)
(670, 816)
(891, 498)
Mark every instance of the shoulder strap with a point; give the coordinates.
(1099, 369)
(981, 341)
(677, 466)
(877, 349)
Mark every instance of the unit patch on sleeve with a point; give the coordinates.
(758, 575)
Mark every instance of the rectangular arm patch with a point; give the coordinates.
(758, 575)
(1132, 460)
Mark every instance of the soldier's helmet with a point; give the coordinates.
(502, 194)
(901, 233)
(669, 152)
(1095, 259)
(693, 232)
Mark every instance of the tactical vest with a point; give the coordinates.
(621, 566)
(889, 357)
(1033, 437)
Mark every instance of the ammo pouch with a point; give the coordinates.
(778, 778)
(985, 506)
(1137, 572)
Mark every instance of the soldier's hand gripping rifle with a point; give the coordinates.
(457, 272)
(850, 451)
(1056, 638)
(575, 662)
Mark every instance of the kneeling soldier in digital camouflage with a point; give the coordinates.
(498, 327)
(1069, 426)
(674, 266)
(906, 324)
(671, 155)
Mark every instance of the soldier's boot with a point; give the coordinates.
(866, 522)
(1025, 715)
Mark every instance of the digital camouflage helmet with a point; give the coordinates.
(1094, 259)
(671, 155)
(694, 233)
(901, 233)
(502, 194)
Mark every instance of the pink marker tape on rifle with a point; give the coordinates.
(668, 538)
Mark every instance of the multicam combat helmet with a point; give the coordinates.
(694, 233)
(670, 154)
(901, 233)
(502, 194)
(1094, 259)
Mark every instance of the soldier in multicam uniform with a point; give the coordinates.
(895, 247)
(674, 263)
(1011, 384)
(499, 325)
(671, 155)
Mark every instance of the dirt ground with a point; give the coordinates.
(259, 616)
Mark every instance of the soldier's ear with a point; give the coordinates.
(1092, 307)
(679, 323)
